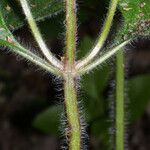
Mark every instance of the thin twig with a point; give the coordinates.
(102, 38)
(54, 61)
(18, 49)
(102, 59)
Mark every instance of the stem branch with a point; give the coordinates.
(102, 58)
(38, 37)
(102, 38)
(18, 49)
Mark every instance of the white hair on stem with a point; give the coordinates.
(54, 61)
(105, 31)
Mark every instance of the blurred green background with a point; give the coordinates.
(31, 109)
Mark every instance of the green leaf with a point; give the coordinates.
(48, 121)
(95, 82)
(41, 9)
(136, 18)
(99, 129)
(139, 95)
(85, 45)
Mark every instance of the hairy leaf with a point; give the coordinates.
(41, 9)
(136, 18)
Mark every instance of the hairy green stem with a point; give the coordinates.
(72, 112)
(102, 38)
(71, 103)
(70, 31)
(120, 101)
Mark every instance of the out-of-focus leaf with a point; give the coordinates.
(14, 18)
(95, 82)
(3, 34)
(139, 95)
(99, 129)
(48, 121)
(136, 18)
(85, 46)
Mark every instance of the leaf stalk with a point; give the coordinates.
(37, 35)
(102, 58)
(102, 38)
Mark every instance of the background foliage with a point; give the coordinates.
(96, 87)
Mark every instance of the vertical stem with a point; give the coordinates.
(71, 103)
(72, 113)
(120, 101)
(70, 31)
